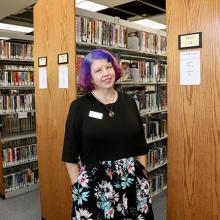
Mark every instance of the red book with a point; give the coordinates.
(16, 78)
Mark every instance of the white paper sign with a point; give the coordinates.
(63, 76)
(190, 67)
(42, 78)
(22, 115)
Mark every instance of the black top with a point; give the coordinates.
(99, 137)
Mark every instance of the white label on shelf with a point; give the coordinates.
(63, 76)
(190, 67)
(22, 115)
(42, 77)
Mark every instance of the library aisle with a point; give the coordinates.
(27, 207)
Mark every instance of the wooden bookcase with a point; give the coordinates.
(194, 122)
(54, 22)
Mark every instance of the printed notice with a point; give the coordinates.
(63, 76)
(42, 78)
(190, 68)
(22, 115)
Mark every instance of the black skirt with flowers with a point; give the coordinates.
(112, 190)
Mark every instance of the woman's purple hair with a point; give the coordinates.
(85, 78)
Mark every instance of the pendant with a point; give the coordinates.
(111, 114)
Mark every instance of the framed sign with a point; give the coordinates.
(190, 41)
(42, 61)
(63, 58)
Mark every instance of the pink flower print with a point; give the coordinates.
(131, 168)
(144, 209)
(82, 168)
(83, 179)
(109, 173)
(110, 213)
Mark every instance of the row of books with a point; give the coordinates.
(142, 71)
(155, 129)
(16, 169)
(17, 67)
(143, 41)
(157, 180)
(14, 124)
(14, 156)
(12, 50)
(100, 32)
(14, 102)
(147, 42)
(150, 101)
(136, 71)
(157, 155)
(19, 142)
(21, 179)
(16, 78)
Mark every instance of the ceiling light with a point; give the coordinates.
(150, 24)
(4, 38)
(90, 6)
(17, 28)
(79, 1)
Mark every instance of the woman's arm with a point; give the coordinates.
(73, 171)
(143, 160)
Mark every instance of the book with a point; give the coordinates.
(13, 124)
(125, 71)
(99, 32)
(16, 51)
(143, 41)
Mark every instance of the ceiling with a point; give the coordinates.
(13, 13)
(22, 13)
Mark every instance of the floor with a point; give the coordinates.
(27, 207)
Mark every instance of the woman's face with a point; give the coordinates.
(103, 74)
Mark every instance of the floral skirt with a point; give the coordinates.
(112, 190)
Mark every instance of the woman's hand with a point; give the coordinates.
(73, 171)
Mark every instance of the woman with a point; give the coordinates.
(104, 128)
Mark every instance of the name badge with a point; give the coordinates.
(97, 115)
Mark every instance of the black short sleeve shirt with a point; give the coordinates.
(94, 136)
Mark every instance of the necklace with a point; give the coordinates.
(111, 113)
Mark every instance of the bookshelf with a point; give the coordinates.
(146, 79)
(19, 162)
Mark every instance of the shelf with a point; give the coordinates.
(20, 163)
(17, 87)
(18, 136)
(12, 61)
(157, 167)
(21, 190)
(155, 112)
(158, 139)
(17, 70)
(115, 20)
(86, 46)
(154, 194)
(135, 84)
(13, 113)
